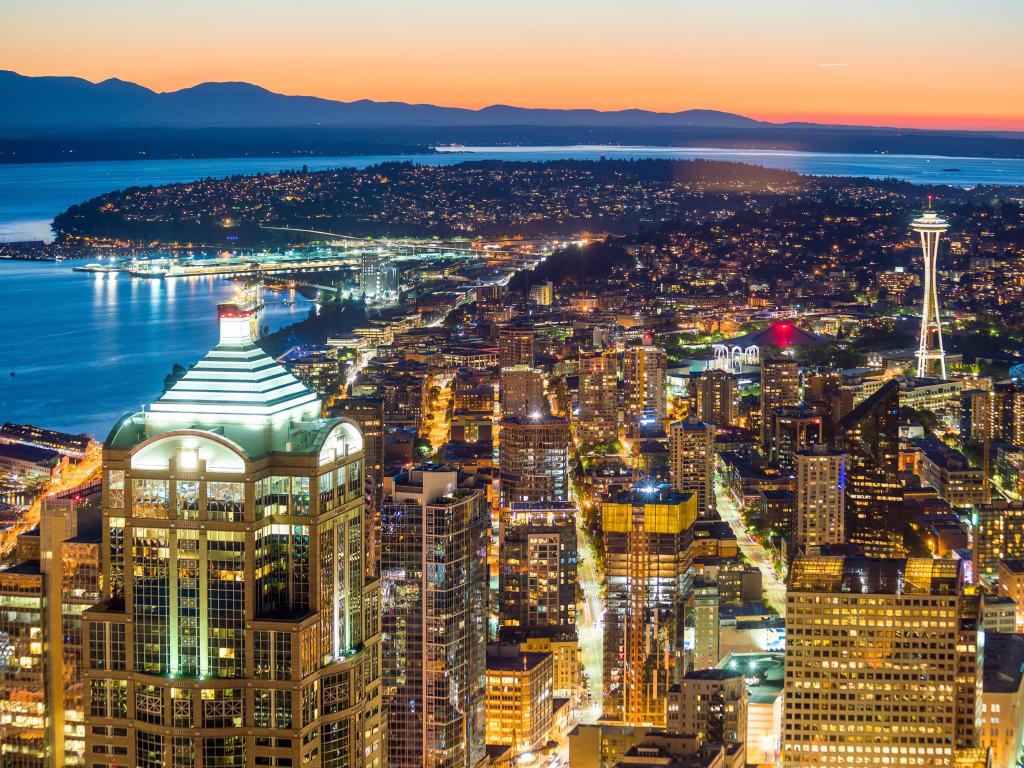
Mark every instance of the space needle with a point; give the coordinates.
(930, 226)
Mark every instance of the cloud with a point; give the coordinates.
(832, 66)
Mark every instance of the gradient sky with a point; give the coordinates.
(927, 63)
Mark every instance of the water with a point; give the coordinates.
(85, 347)
(32, 194)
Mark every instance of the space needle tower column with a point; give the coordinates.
(930, 226)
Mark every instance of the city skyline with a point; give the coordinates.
(795, 61)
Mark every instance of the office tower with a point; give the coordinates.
(53, 577)
(780, 388)
(1003, 697)
(534, 460)
(1007, 412)
(235, 612)
(930, 226)
(522, 392)
(713, 397)
(691, 445)
(711, 704)
(473, 406)
(515, 346)
(793, 429)
(820, 496)
(596, 421)
(537, 567)
(377, 275)
(882, 662)
(644, 372)
(703, 618)
(368, 414)
(824, 393)
(519, 698)
(434, 582)
(998, 535)
(869, 436)
(543, 294)
(647, 533)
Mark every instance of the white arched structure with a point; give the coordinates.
(732, 359)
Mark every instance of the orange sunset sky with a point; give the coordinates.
(912, 63)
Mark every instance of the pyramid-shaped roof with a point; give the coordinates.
(780, 334)
(235, 380)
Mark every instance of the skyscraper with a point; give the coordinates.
(237, 627)
(644, 371)
(522, 392)
(377, 274)
(537, 568)
(434, 581)
(692, 461)
(647, 533)
(713, 397)
(793, 429)
(869, 436)
(882, 662)
(515, 346)
(820, 492)
(930, 226)
(534, 459)
(780, 388)
(596, 421)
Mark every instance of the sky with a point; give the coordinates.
(911, 63)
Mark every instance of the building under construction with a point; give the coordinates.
(647, 533)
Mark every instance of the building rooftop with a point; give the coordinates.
(1003, 662)
(885, 576)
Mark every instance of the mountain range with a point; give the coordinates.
(63, 103)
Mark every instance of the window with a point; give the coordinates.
(187, 499)
(225, 501)
(149, 498)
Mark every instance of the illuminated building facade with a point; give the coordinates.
(519, 698)
(645, 373)
(713, 397)
(691, 445)
(780, 388)
(534, 459)
(820, 497)
(711, 704)
(883, 662)
(522, 392)
(596, 421)
(515, 346)
(236, 626)
(434, 579)
(869, 436)
(647, 534)
(537, 568)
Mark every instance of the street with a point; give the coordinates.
(774, 587)
(591, 625)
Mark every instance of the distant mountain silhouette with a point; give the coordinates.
(71, 103)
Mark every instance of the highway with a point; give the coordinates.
(774, 587)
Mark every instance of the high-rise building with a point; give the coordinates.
(434, 582)
(711, 704)
(537, 567)
(647, 533)
(53, 577)
(534, 459)
(522, 392)
(377, 274)
(692, 461)
(930, 226)
(644, 372)
(368, 414)
(869, 436)
(882, 662)
(820, 496)
(596, 421)
(714, 398)
(793, 429)
(999, 535)
(515, 346)
(704, 621)
(780, 388)
(236, 627)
